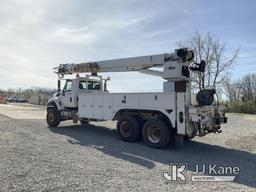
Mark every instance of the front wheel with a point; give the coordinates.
(53, 117)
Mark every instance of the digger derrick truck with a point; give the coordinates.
(159, 118)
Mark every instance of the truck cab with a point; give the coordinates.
(66, 99)
(73, 87)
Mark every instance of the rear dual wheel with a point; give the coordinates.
(129, 128)
(156, 134)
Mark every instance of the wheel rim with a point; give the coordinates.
(50, 117)
(125, 129)
(154, 134)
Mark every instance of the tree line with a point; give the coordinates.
(241, 94)
(28, 92)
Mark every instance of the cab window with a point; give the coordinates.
(82, 85)
(68, 86)
(93, 85)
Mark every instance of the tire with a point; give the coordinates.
(53, 117)
(129, 128)
(156, 134)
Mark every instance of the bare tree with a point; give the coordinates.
(232, 90)
(249, 87)
(210, 49)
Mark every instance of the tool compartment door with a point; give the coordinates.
(98, 106)
(108, 107)
(86, 106)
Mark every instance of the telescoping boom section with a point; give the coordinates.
(158, 118)
(124, 64)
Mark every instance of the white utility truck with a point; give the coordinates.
(159, 118)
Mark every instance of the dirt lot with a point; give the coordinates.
(93, 158)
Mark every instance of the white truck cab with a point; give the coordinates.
(73, 87)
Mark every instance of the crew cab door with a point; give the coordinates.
(68, 94)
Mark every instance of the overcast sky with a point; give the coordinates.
(38, 35)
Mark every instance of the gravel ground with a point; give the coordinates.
(93, 158)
